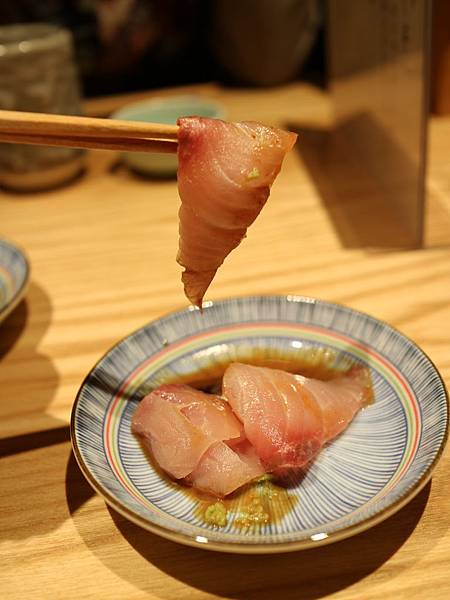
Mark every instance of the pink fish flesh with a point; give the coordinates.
(178, 424)
(268, 420)
(288, 418)
(225, 171)
(222, 469)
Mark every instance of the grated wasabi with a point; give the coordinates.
(216, 514)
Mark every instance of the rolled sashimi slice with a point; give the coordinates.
(225, 171)
(288, 418)
(178, 424)
(222, 470)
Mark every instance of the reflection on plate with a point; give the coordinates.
(14, 274)
(378, 464)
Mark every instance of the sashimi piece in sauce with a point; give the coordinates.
(225, 171)
(222, 469)
(288, 418)
(187, 432)
(268, 420)
(178, 424)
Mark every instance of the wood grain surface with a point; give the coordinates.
(102, 253)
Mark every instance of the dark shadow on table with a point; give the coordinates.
(34, 374)
(30, 464)
(28, 442)
(35, 443)
(12, 328)
(368, 185)
(78, 491)
(306, 574)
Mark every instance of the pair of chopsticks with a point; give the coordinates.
(86, 132)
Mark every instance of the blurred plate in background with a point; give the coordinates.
(164, 110)
(14, 275)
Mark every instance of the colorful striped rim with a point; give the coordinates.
(6, 285)
(14, 277)
(232, 333)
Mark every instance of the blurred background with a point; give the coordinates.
(385, 62)
(129, 45)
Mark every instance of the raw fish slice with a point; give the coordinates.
(346, 392)
(175, 443)
(178, 424)
(208, 412)
(246, 452)
(288, 418)
(222, 470)
(284, 433)
(225, 171)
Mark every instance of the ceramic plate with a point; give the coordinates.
(14, 274)
(374, 468)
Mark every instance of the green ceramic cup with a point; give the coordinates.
(163, 110)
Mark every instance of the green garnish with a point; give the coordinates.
(216, 514)
(254, 173)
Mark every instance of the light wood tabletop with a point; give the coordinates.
(102, 253)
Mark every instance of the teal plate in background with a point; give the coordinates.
(164, 110)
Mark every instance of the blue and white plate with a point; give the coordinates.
(381, 461)
(14, 275)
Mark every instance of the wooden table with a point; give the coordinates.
(102, 252)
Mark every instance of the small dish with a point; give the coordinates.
(375, 467)
(164, 110)
(14, 275)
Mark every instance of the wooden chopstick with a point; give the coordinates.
(92, 143)
(86, 132)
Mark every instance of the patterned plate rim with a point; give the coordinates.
(9, 306)
(257, 548)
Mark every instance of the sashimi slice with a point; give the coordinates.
(246, 452)
(288, 418)
(208, 412)
(175, 443)
(225, 171)
(340, 399)
(223, 470)
(178, 424)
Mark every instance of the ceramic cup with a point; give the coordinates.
(164, 110)
(38, 74)
(262, 42)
